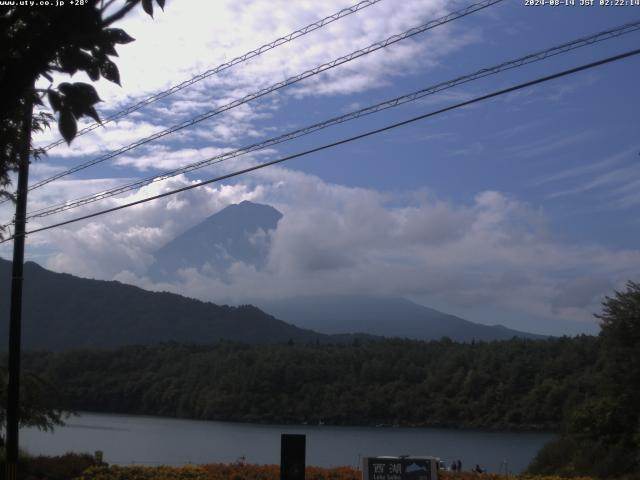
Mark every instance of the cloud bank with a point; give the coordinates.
(494, 252)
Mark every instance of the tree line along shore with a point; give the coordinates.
(517, 384)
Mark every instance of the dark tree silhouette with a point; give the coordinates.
(601, 436)
(35, 42)
(39, 403)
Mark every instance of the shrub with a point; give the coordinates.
(61, 467)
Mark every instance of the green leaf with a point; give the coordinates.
(55, 100)
(117, 35)
(73, 59)
(93, 71)
(109, 71)
(65, 88)
(67, 125)
(77, 98)
(66, 62)
(85, 93)
(147, 5)
(93, 114)
(107, 48)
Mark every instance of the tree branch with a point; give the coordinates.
(120, 14)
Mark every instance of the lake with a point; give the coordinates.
(131, 439)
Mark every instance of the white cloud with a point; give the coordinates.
(585, 169)
(240, 26)
(196, 36)
(548, 146)
(124, 240)
(165, 158)
(101, 140)
(495, 252)
(615, 177)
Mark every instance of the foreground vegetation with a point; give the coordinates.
(588, 387)
(83, 467)
(66, 467)
(601, 435)
(262, 472)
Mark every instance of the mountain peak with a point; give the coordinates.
(245, 215)
(238, 232)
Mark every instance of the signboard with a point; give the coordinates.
(399, 468)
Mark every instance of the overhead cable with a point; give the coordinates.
(343, 141)
(277, 86)
(224, 66)
(521, 61)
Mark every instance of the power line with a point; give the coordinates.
(213, 71)
(291, 80)
(277, 86)
(343, 141)
(527, 59)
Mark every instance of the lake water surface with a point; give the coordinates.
(130, 439)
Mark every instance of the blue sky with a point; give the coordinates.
(522, 210)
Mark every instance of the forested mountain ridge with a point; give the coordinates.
(516, 384)
(61, 312)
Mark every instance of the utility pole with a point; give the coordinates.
(15, 322)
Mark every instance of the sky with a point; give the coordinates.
(521, 210)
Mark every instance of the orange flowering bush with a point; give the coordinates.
(219, 471)
(144, 473)
(337, 473)
(235, 471)
(495, 476)
(469, 476)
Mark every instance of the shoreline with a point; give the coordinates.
(546, 429)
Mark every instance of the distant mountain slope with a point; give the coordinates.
(240, 233)
(61, 312)
(389, 317)
(235, 233)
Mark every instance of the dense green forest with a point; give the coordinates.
(601, 436)
(521, 384)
